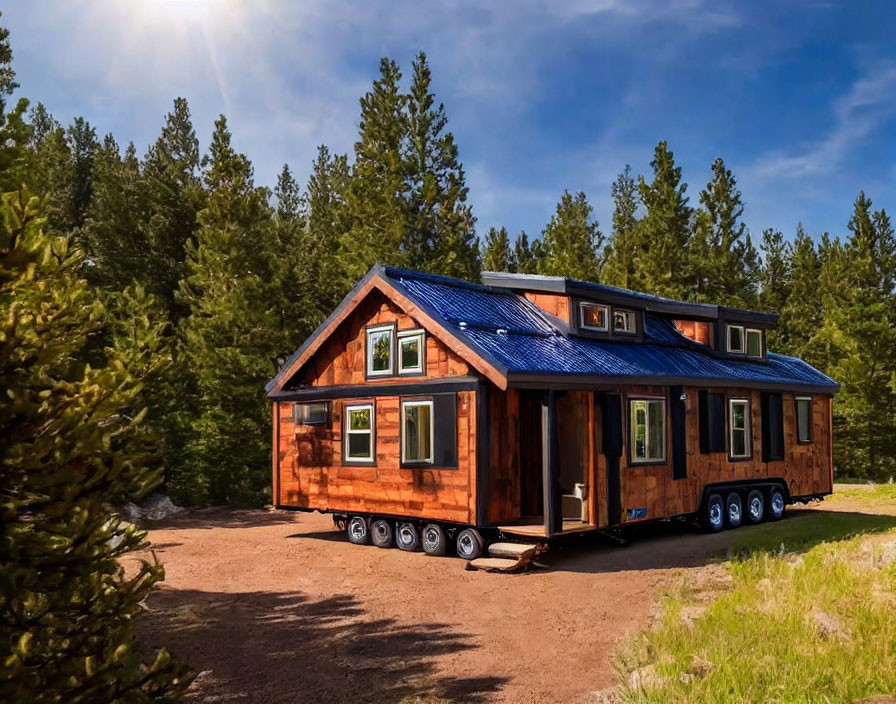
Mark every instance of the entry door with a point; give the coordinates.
(610, 409)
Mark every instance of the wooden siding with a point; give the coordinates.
(341, 359)
(555, 304)
(806, 469)
(313, 475)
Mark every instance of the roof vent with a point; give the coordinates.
(501, 331)
(463, 324)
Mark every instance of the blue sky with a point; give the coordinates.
(798, 97)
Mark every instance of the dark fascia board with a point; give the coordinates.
(325, 393)
(375, 270)
(618, 296)
(584, 382)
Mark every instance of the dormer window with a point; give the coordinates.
(594, 317)
(754, 343)
(736, 339)
(624, 321)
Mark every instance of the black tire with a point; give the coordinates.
(776, 504)
(407, 537)
(341, 523)
(434, 540)
(469, 544)
(713, 517)
(734, 510)
(381, 533)
(755, 506)
(358, 531)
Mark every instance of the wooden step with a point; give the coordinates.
(513, 551)
(498, 564)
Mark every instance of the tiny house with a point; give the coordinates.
(428, 412)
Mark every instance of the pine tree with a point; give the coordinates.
(662, 265)
(725, 263)
(526, 261)
(863, 330)
(775, 278)
(802, 314)
(440, 237)
(113, 235)
(572, 241)
(82, 145)
(496, 252)
(15, 132)
(377, 197)
(173, 198)
(328, 220)
(622, 248)
(72, 444)
(228, 339)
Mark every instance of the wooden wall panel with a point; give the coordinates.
(504, 484)
(805, 469)
(553, 303)
(313, 475)
(340, 360)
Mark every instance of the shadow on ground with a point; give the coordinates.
(670, 545)
(224, 518)
(276, 647)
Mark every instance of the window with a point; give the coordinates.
(647, 429)
(624, 321)
(736, 339)
(410, 351)
(771, 413)
(416, 432)
(311, 413)
(754, 343)
(712, 421)
(739, 428)
(803, 419)
(359, 423)
(379, 350)
(594, 317)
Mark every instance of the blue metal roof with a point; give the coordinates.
(506, 328)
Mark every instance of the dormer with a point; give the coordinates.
(605, 312)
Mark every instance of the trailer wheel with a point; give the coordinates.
(358, 532)
(755, 506)
(434, 540)
(776, 503)
(734, 510)
(381, 533)
(407, 537)
(469, 544)
(714, 513)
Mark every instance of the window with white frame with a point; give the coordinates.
(410, 351)
(316, 413)
(754, 343)
(803, 419)
(379, 350)
(624, 321)
(736, 339)
(416, 432)
(359, 428)
(594, 317)
(647, 429)
(739, 446)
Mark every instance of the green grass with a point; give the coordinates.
(878, 492)
(812, 623)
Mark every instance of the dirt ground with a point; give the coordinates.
(278, 607)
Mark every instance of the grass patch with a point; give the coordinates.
(876, 492)
(811, 623)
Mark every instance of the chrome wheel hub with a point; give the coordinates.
(756, 508)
